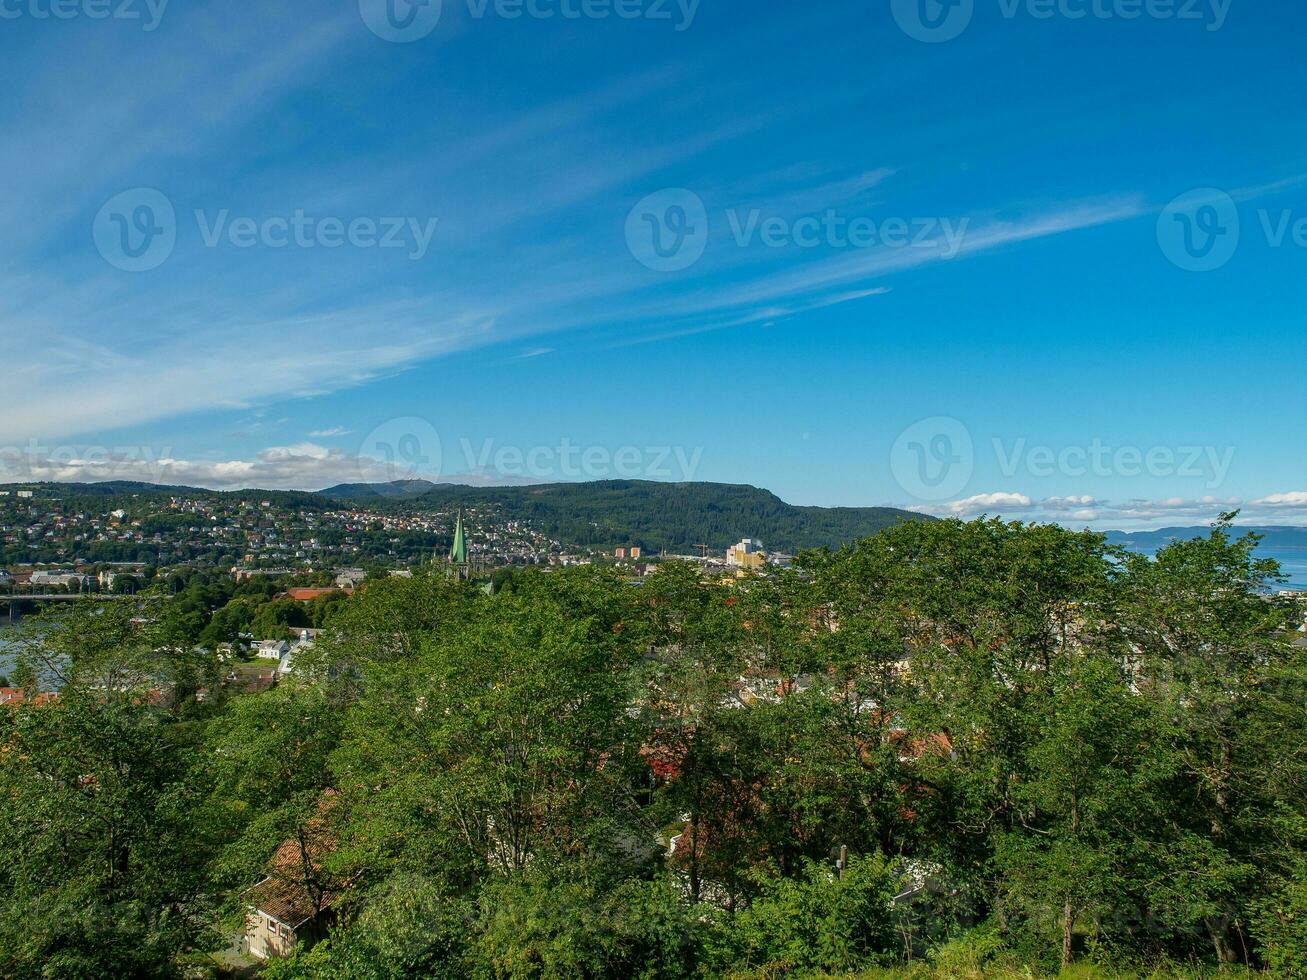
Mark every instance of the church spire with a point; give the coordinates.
(458, 553)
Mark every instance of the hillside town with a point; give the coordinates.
(279, 531)
(53, 543)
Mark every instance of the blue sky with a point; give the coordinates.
(950, 274)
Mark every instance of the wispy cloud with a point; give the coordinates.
(210, 368)
(869, 264)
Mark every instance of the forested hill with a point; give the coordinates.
(675, 517)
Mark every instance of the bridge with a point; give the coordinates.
(55, 597)
(13, 599)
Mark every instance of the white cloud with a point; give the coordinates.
(1294, 500)
(303, 466)
(988, 503)
(1132, 514)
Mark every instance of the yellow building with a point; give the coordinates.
(748, 554)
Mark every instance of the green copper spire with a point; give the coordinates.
(458, 554)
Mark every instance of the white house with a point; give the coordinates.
(271, 649)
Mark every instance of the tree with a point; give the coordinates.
(572, 920)
(103, 857)
(511, 730)
(818, 921)
(1088, 806)
(408, 927)
(274, 620)
(265, 770)
(1208, 640)
(1281, 925)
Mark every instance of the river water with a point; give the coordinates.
(8, 635)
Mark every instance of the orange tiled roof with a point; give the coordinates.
(283, 894)
(306, 595)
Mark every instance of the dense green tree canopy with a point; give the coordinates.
(980, 743)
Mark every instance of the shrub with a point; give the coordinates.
(817, 922)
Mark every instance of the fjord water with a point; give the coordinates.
(1292, 557)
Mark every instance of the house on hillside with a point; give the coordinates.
(282, 911)
(271, 649)
(295, 903)
(64, 580)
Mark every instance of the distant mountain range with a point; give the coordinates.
(672, 517)
(1274, 538)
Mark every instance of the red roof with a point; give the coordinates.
(285, 894)
(307, 595)
(16, 695)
